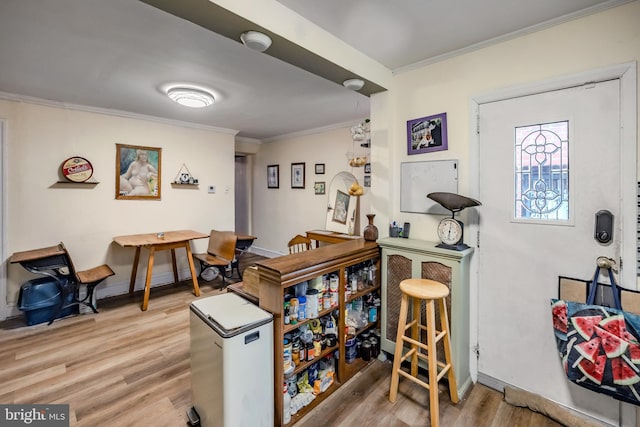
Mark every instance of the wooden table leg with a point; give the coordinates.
(175, 267)
(147, 283)
(134, 270)
(194, 276)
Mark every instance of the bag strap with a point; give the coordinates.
(594, 284)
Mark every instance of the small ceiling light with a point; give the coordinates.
(353, 84)
(191, 97)
(255, 40)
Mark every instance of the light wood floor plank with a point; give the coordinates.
(124, 367)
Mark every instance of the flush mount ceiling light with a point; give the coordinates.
(353, 84)
(255, 40)
(191, 97)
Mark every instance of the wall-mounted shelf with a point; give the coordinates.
(77, 183)
(180, 184)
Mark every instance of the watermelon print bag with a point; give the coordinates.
(599, 346)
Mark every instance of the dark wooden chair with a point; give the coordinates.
(299, 243)
(89, 278)
(220, 254)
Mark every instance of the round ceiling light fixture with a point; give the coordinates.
(190, 96)
(353, 84)
(255, 40)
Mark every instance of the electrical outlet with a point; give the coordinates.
(212, 189)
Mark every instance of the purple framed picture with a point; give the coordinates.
(427, 134)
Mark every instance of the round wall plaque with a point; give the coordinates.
(77, 169)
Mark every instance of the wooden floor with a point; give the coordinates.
(125, 367)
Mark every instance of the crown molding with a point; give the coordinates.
(109, 112)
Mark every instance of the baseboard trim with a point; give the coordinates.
(562, 414)
(265, 252)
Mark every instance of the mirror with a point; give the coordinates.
(343, 212)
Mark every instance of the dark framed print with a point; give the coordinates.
(319, 187)
(427, 134)
(319, 168)
(367, 180)
(138, 172)
(341, 207)
(273, 176)
(297, 175)
(367, 168)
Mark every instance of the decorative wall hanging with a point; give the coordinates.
(319, 168)
(138, 172)
(427, 134)
(341, 207)
(297, 175)
(273, 176)
(76, 169)
(319, 187)
(184, 176)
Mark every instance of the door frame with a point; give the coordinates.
(626, 73)
(4, 307)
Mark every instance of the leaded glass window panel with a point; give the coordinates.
(542, 172)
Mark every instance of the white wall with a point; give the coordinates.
(279, 214)
(608, 38)
(86, 218)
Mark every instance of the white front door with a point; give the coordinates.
(548, 163)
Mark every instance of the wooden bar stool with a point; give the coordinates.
(429, 291)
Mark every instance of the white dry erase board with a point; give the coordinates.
(417, 179)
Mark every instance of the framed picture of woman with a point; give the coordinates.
(138, 172)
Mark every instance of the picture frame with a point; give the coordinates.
(341, 207)
(273, 176)
(367, 180)
(427, 134)
(319, 168)
(319, 187)
(367, 168)
(297, 175)
(138, 172)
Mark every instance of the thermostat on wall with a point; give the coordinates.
(77, 169)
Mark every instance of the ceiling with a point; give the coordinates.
(118, 55)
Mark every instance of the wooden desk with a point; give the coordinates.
(172, 240)
(328, 236)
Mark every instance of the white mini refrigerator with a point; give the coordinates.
(231, 362)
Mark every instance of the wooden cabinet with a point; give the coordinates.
(278, 278)
(411, 258)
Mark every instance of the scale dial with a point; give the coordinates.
(450, 231)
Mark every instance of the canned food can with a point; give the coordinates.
(326, 300)
(334, 282)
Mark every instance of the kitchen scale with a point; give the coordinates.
(451, 230)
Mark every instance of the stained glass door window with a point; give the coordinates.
(542, 172)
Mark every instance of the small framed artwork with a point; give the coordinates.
(319, 168)
(367, 180)
(319, 187)
(138, 172)
(297, 175)
(427, 134)
(341, 207)
(273, 176)
(367, 168)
